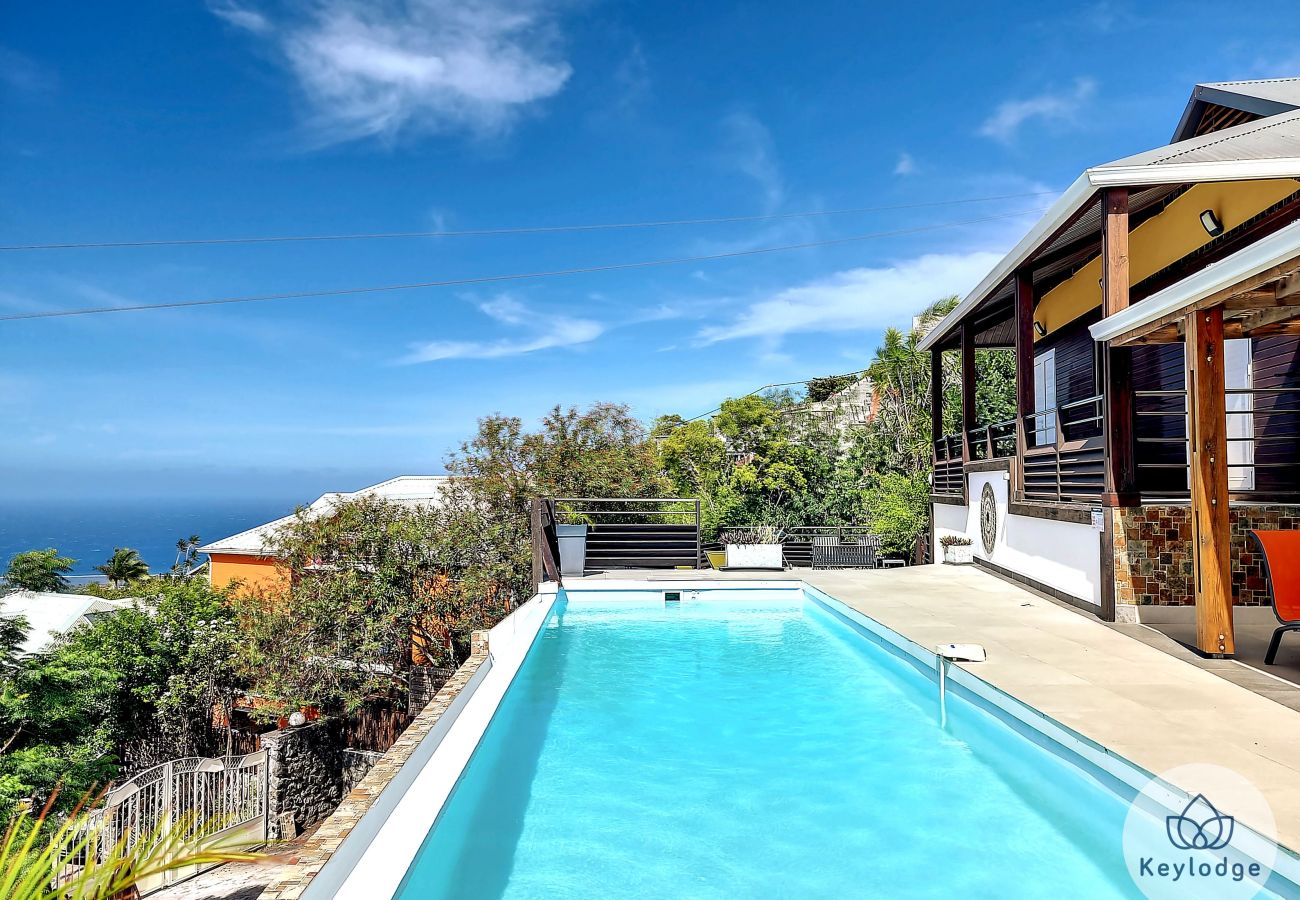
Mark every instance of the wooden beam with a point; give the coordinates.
(1120, 488)
(1208, 439)
(1281, 273)
(967, 389)
(1023, 297)
(936, 394)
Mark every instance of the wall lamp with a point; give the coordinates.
(1039, 329)
(1211, 223)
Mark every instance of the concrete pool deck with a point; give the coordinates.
(1155, 710)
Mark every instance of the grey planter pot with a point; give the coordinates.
(573, 548)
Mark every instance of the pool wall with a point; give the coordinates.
(374, 858)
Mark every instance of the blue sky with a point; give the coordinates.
(161, 120)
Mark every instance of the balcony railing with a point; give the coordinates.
(1263, 433)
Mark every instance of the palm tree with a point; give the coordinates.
(187, 552)
(125, 565)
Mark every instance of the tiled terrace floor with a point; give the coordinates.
(1148, 705)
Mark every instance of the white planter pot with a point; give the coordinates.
(957, 555)
(573, 548)
(754, 556)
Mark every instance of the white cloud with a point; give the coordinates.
(859, 299)
(751, 152)
(240, 16)
(382, 68)
(1059, 107)
(906, 165)
(544, 332)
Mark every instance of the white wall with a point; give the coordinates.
(1062, 555)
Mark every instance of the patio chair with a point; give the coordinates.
(824, 550)
(1281, 551)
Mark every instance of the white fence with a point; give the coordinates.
(221, 800)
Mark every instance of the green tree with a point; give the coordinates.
(39, 570)
(822, 388)
(125, 565)
(137, 686)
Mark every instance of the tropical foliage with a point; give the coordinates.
(377, 586)
(761, 459)
(132, 688)
(39, 570)
(36, 847)
(124, 566)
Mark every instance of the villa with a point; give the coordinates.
(1154, 314)
(248, 557)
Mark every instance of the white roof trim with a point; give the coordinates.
(1277, 248)
(1059, 211)
(1082, 190)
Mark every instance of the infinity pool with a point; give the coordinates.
(754, 749)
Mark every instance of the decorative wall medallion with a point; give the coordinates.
(988, 518)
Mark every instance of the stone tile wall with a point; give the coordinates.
(1153, 553)
(294, 875)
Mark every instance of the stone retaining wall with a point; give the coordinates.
(305, 772)
(293, 878)
(1153, 553)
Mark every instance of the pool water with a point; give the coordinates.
(755, 749)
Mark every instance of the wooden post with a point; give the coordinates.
(539, 541)
(1208, 440)
(1117, 362)
(1023, 284)
(936, 399)
(967, 389)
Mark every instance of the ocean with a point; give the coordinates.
(89, 530)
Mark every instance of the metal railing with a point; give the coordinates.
(1263, 432)
(1064, 457)
(217, 799)
(996, 440)
(635, 532)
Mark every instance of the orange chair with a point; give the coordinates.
(1281, 551)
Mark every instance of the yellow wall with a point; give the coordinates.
(251, 571)
(1162, 240)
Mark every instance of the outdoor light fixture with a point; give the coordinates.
(1210, 222)
(297, 718)
(1039, 329)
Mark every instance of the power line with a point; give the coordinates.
(530, 229)
(489, 279)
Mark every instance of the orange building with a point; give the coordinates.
(247, 557)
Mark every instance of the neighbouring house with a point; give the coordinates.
(248, 557)
(1154, 313)
(852, 406)
(50, 615)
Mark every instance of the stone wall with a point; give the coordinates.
(422, 683)
(1153, 553)
(305, 771)
(356, 765)
(293, 877)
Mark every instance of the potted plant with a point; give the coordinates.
(754, 548)
(956, 549)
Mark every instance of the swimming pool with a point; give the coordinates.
(754, 748)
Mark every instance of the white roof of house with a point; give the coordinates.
(413, 490)
(49, 614)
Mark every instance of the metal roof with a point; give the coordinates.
(1259, 149)
(51, 614)
(1276, 137)
(1261, 97)
(409, 490)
